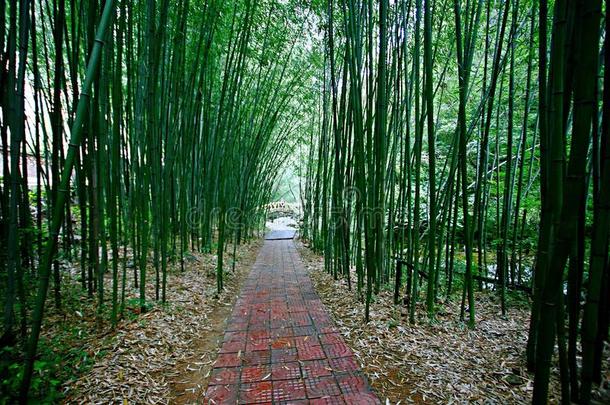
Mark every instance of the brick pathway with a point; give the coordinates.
(280, 345)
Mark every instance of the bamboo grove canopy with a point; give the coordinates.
(443, 148)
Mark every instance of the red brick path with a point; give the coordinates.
(280, 345)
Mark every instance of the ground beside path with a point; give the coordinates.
(280, 345)
(440, 362)
(163, 356)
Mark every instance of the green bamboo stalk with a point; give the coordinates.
(432, 210)
(565, 204)
(58, 208)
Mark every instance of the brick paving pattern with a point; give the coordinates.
(280, 346)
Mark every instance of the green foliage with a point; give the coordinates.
(60, 360)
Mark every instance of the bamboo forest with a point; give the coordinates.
(305, 202)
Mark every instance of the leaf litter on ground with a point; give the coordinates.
(441, 361)
(164, 355)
